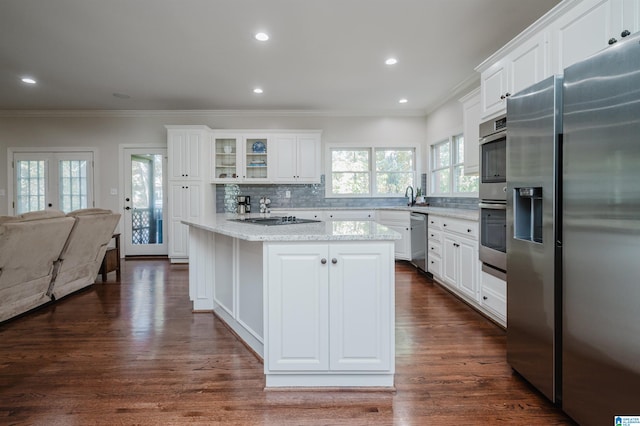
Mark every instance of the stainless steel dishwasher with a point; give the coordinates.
(419, 241)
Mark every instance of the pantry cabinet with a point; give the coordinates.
(187, 148)
(338, 318)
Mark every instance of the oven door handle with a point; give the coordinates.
(493, 137)
(492, 206)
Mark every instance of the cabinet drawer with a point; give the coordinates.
(435, 249)
(435, 236)
(462, 227)
(434, 265)
(393, 216)
(495, 285)
(494, 302)
(435, 222)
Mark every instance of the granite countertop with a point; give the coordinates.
(332, 230)
(467, 214)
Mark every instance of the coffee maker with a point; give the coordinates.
(244, 204)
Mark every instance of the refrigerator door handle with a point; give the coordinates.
(492, 206)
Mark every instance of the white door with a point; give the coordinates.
(298, 308)
(145, 201)
(52, 180)
(360, 297)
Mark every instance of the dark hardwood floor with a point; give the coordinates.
(132, 352)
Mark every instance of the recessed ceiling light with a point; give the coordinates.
(257, 90)
(391, 61)
(28, 80)
(403, 101)
(262, 36)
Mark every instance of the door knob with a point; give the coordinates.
(323, 261)
(334, 260)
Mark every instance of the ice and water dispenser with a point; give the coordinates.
(527, 214)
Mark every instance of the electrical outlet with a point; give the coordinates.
(287, 194)
(114, 191)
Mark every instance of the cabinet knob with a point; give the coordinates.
(612, 40)
(444, 224)
(468, 230)
(625, 33)
(323, 261)
(334, 260)
(127, 208)
(484, 297)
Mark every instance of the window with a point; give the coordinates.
(56, 180)
(371, 172)
(447, 169)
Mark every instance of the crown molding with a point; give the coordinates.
(212, 113)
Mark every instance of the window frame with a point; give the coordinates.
(454, 164)
(373, 173)
(51, 155)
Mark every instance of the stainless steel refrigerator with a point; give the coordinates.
(533, 257)
(573, 252)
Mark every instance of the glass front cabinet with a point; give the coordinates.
(240, 158)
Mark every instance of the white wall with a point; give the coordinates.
(107, 131)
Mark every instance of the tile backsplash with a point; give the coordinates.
(312, 196)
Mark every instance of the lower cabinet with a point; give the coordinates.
(330, 309)
(460, 264)
(185, 204)
(399, 221)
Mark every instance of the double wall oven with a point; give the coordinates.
(493, 196)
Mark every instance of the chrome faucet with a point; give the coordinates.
(412, 200)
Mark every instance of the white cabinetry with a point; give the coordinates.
(590, 27)
(569, 33)
(471, 125)
(460, 264)
(525, 65)
(240, 158)
(434, 245)
(399, 221)
(185, 203)
(330, 310)
(297, 158)
(350, 215)
(494, 296)
(187, 149)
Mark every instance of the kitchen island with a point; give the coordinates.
(314, 300)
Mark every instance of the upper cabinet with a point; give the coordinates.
(186, 151)
(297, 158)
(590, 27)
(240, 158)
(471, 126)
(525, 65)
(570, 32)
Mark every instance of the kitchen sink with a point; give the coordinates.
(274, 220)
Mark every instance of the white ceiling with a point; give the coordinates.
(323, 55)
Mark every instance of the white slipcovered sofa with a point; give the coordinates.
(46, 255)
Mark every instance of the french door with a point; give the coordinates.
(52, 180)
(144, 201)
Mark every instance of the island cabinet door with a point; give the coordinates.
(297, 308)
(361, 300)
